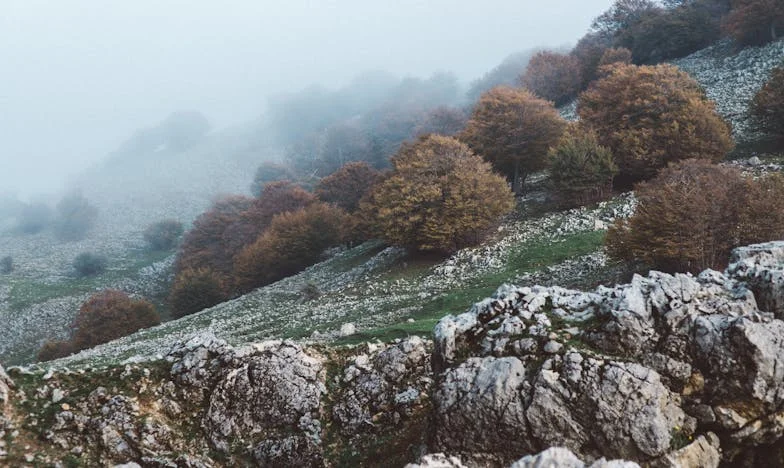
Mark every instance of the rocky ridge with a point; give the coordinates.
(668, 370)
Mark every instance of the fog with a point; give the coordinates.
(78, 77)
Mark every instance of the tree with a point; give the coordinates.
(553, 76)
(685, 220)
(439, 197)
(270, 172)
(507, 73)
(767, 107)
(580, 169)
(195, 290)
(622, 15)
(694, 213)
(89, 264)
(755, 22)
(650, 116)
(294, 241)
(75, 216)
(203, 246)
(513, 129)
(442, 120)
(615, 56)
(163, 235)
(589, 52)
(109, 315)
(346, 187)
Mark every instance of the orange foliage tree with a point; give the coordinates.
(109, 315)
(513, 129)
(439, 197)
(346, 187)
(553, 76)
(694, 213)
(294, 241)
(194, 290)
(650, 116)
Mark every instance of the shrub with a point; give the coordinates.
(270, 172)
(693, 214)
(439, 197)
(346, 187)
(109, 315)
(6, 265)
(650, 116)
(34, 218)
(54, 349)
(163, 235)
(581, 170)
(755, 22)
(195, 290)
(294, 241)
(768, 104)
(553, 76)
(75, 217)
(513, 129)
(88, 264)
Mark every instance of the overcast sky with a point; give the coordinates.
(77, 77)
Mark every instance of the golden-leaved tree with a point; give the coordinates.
(439, 197)
(513, 129)
(650, 116)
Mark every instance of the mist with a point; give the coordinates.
(79, 77)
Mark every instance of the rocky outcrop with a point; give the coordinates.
(629, 372)
(6, 384)
(666, 371)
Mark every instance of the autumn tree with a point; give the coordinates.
(616, 56)
(768, 104)
(581, 170)
(195, 290)
(762, 216)
(553, 76)
(270, 172)
(439, 197)
(622, 15)
(685, 220)
(346, 187)
(163, 235)
(203, 245)
(442, 120)
(294, 241)
(589, 52)
(650, 116)
(755, 22)
(513, 129)
(109, 315)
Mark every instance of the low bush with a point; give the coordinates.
(109, 315)
(163, 235)
(54, 349)
(581, 170)
(195, 290)
(88, 264)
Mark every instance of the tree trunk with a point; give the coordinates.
(517, 180)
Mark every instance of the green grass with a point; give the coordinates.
(26, 292)
(527, 258)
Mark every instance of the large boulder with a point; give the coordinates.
(270, 401)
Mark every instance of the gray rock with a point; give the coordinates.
(437, 460)
(6, 384)
(270, 400)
